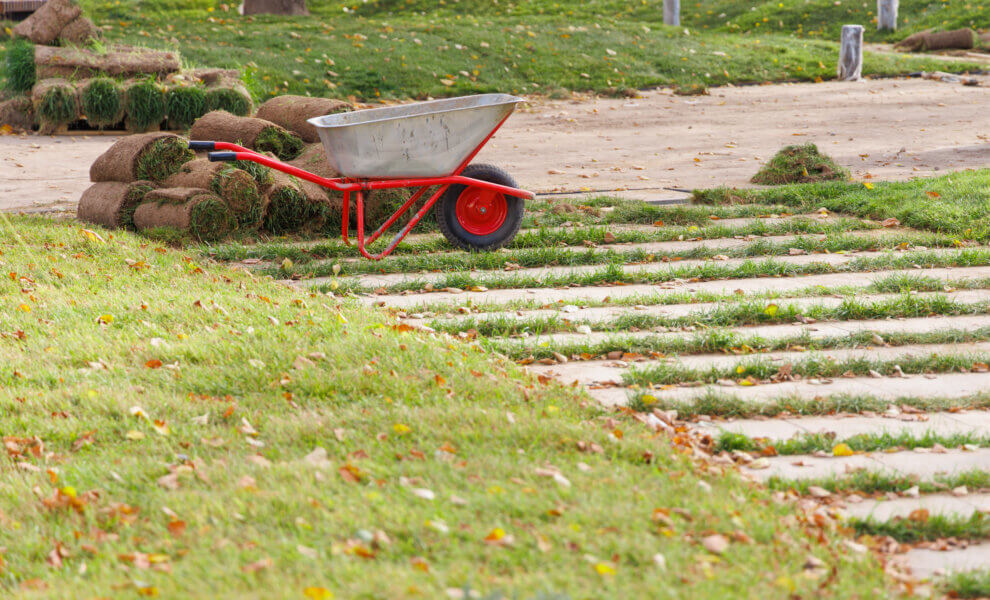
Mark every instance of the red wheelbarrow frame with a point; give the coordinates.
(359, 186)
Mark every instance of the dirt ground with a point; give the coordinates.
(885, 129)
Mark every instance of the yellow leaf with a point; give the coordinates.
(104, 319)
(24, 308)
(341, 318)
(317, 593)
(134, 435)
(745, 382)
(92, 236)
(648, 399)
(68, 491)
(401, 428)
(604, 569)
(842, 450)
(161, 427)
(868, 185)
(495, 535)
(771, 310)
(148, 590)
(740, 369)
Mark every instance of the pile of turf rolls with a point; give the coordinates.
(237, 188)
(145, 106)
(111, 204)
(257, 134)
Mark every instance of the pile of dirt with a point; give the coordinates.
(57, 21)
(293, 112)
(800, 164)
(959, 39)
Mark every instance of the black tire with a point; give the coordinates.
(455, 232)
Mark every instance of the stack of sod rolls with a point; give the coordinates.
(152, 181)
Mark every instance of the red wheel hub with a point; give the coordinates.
(481, 211)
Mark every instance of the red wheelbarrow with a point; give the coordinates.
(421, 145)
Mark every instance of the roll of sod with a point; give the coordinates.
(258, 134)
(234, 99)
(19, 69)
(152, 156)
(145, 106)
(262, 175)
(288, 207)
(962, 39)
(293, 112)
(183, 105)
(111, 204)
(55, 104)
(237, 188)
(102, 101)
(44, 24)
(197, 211)
(313, 158)
(17, 113)
(78, 32)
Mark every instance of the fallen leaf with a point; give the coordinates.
(842, 450)
(257, 565)
(716, 544)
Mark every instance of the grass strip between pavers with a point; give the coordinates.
(809, 443)
(930, 528)
(874, 482)
(300, 442)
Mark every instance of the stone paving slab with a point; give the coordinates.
(824, 329)
(603, 371)
(650, 293)
(834, 260)
(928, 563)
(605, 314)
(935, 504)
(846, 426)
(905, 463)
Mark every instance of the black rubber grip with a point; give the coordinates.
(222, 156)
(202, 145)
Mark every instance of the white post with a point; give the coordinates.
(851, 53)
(671, 12)
(887, 15)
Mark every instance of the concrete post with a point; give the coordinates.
(851, 53)
(887, 15)
(671, 12)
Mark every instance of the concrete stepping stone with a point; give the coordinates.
(603, 371)
(653, 293)
(946, 386)
(605, 314)
(834, 260)
(935, 504)
(926, 563)
(846, 426)
(924, 466)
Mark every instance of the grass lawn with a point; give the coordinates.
(955, 204)
(164, 419)
(467, 47)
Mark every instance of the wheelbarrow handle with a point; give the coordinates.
(194, 145)
(222, 156)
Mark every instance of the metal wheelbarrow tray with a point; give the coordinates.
(478, 207)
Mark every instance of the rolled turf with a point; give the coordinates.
(111, 204)
(199, 212)
(19, 69)
(288, 206)
(293, 112)
(257, 134)
(237, 188)
(234, 99)
(17, 113)
(151, 156)
(44, 24)
(55, 104)
(102, 101)
(79, 31)
(145, 106)
(183, 105)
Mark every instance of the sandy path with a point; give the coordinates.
(651, 142)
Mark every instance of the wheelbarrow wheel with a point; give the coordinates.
(475, 218)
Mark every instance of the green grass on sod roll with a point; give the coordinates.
(262, 174)
(287, 211)
(163, 158)
(183, 105)
(134, 196)
(240, 192)
(58, 107)
(103, 102)
(19, 71)
(145, 105)
(210, 220)
(228, 99)
(282, 144)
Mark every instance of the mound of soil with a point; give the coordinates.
(800, 164)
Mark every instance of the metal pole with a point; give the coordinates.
(851, 53)
(671, 12)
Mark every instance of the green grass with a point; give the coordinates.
(146, 107)
(868, 442)
(955, 204)
(462, 50)
(176, 417)
(975, 584)
(228, 99)
(59, 106)
(103, 102)
(873, 482)
(183, 105)
(933, 528)
(19, 73)
(800, 164)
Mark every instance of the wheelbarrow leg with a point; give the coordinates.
(345, 218)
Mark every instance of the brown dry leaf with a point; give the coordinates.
(716, 544)
(608, 238)
(153, 364)
(176, 527)
(920, 515)
(891, 222)
(170, 481)
(257, 565)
